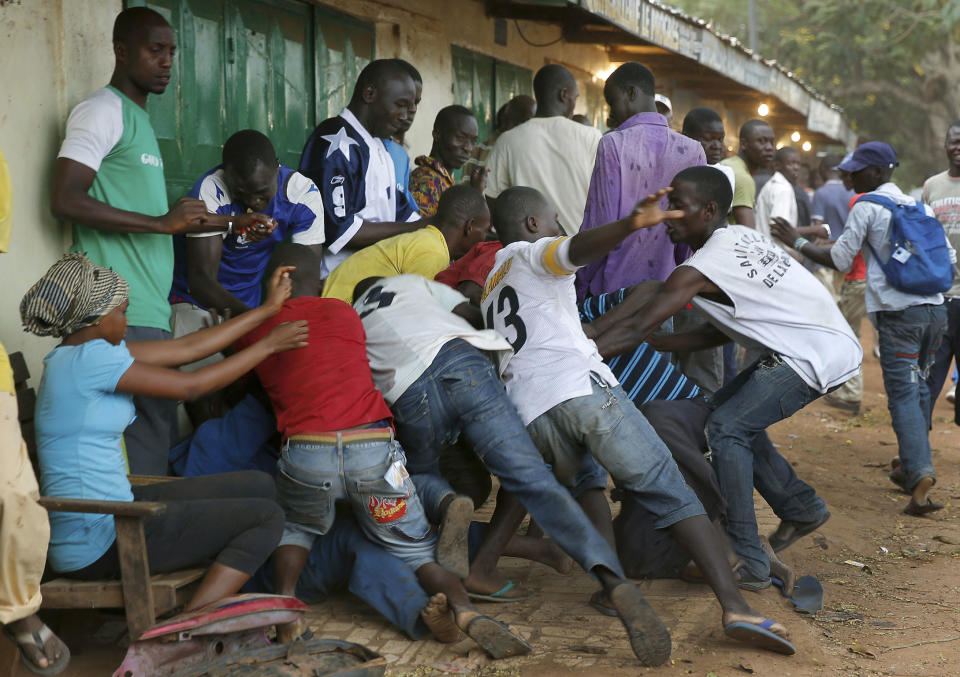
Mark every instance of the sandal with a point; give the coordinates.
(39, 640)
(917, 510)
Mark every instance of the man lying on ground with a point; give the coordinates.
(339, 446)
(750, 290)
(573, 407)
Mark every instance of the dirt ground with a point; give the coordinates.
(898, 615)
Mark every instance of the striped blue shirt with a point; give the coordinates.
(645, 374)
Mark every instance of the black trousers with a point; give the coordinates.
(230, 518)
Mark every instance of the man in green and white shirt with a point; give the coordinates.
(108, 183)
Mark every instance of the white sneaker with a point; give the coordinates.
(951, 394)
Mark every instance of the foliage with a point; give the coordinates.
(891, 64)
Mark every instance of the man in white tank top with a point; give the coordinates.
(752, 292)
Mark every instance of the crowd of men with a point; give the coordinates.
(580, 308)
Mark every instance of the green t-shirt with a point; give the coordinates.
(942, 193)
(113, 136)
(744, 188)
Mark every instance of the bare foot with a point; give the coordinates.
(752, 617)
(922, 489)
(489, 583)
(439, 618)
(290, 631)
(556, 559)
(42, 655)
(778, 568)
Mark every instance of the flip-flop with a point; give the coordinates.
(649, 637)
(39, 639)
(597, 601)
(800, 529)
(917, 510)
(499, 595)
(452, 548)
(807, 597)
(760, 636)
(495, 638)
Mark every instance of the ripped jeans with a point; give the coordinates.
(909, 339)
(767, 391)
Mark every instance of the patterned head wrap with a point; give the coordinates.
(75, 293)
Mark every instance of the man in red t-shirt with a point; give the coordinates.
(339, 446)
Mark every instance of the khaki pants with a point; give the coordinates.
(24, 527)
(832, 280)
(853, 307)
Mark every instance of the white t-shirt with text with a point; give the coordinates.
(777, 304)
(408, 319)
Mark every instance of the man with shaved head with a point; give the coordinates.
(454, 140)
(549, 152)
(755, 155)
(346, 158)
(108, 183)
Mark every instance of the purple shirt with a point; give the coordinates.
(638, 158)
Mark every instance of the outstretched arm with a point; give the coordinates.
(689, 341)
(787, 234)
(590, 245)
(683, 284)
(172, 384)
(200, 344)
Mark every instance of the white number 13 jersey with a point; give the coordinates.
(529, 298)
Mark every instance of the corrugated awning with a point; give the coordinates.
(689, 52)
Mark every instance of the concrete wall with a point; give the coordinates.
(55, 53)
(422, 31)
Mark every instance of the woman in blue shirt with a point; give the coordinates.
(85, 403)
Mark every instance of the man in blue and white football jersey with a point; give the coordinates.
(225, 270)
(346, 158)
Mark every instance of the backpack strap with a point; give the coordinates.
(884, 202)
(878, 200)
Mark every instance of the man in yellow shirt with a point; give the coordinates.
(462, 221)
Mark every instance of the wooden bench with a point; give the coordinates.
(143, 596)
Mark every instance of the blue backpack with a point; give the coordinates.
(920, 262)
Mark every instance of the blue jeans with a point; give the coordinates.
(608, 426)
(743, 455)
(909, 340)
(345, 558)
(313, 476)
(460, 391)
(948, 351)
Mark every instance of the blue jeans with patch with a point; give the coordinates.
(608, 426)
(767, 391)
(909, 339)
(313, 476)
(461, 392)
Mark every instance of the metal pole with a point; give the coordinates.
(752, 23)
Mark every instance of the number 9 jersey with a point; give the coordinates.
(529, 298)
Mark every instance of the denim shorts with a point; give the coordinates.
(315, 472)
